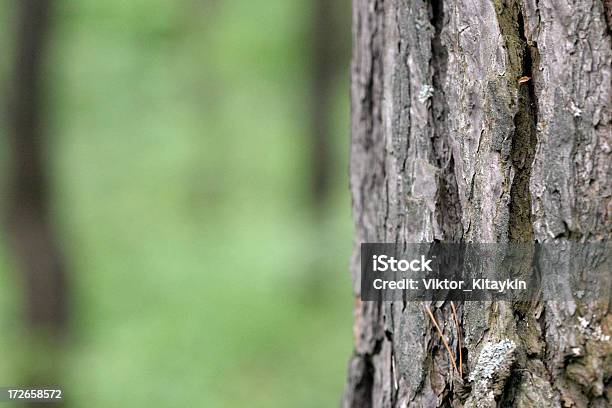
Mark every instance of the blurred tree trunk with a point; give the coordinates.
(325, 43)
(30, 232)
(323, 71)
(449, 145)
(329, 49)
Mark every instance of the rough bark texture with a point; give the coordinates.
(449, 145)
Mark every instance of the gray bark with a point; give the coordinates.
(448, 145)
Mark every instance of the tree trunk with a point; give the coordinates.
(449, 145)
(328, 50)
(323, 73)
(29, 229)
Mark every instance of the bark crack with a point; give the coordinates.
(522, 153)
(522, 62)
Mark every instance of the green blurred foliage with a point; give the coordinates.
(178, 146)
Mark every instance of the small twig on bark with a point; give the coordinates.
(458, 338)
(450, 354)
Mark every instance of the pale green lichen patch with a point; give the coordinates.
(492, 358)
(490, 373)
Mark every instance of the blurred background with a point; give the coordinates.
(174, 198)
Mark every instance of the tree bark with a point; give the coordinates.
(448, 145)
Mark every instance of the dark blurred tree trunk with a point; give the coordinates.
(327, 58)
(30, 231)
(449, 145)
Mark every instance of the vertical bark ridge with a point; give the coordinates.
(448, 206)
(448, 211)
(570, 183)
(367, 179)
